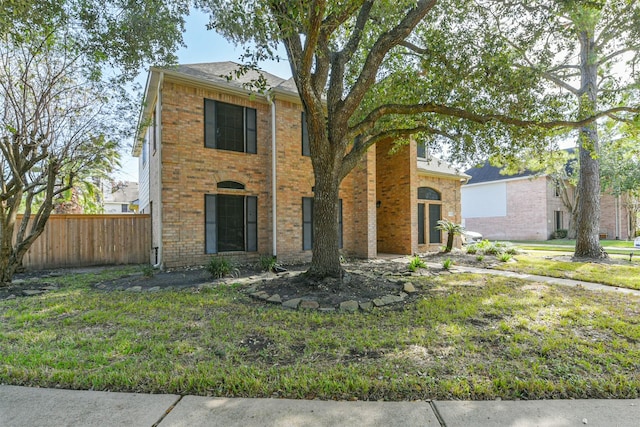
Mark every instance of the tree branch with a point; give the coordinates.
(377, 54)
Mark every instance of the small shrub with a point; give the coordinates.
(493, 250)
(220, 267)
(480, 258)
(267, 262)
(416, 263)
(148, 270)
(447, 263)
(504, 257)
(472, 249)
(560, 234)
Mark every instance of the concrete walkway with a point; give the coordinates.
(543, 279)
(28, 407)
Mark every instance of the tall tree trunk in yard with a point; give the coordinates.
(325, 260)
(327, 169)
(588, 190)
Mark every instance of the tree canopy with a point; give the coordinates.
(434, 70)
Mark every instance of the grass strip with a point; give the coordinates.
(619, 275)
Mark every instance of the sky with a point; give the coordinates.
(201, 46)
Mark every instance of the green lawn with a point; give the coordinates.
(467, 337)
(624, 275)
(614, 247)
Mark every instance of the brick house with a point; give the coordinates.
(527, 206)
(226, 171)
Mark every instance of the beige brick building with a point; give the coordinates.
(527, 207)
(226, 171)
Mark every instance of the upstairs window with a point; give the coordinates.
(422, 150)
(306, 150)
(145, 149)
(230, 127)
(154, 131)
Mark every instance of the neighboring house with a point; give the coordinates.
(527, 206)
(121, 198)
(226, 171)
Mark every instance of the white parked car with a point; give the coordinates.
(469, 237)
(636, 242)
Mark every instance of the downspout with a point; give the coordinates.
(274, 198)
(158, 130)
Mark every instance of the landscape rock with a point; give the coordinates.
(308, 305)
(366, 306)
(274, 298)
(292, 303)
(409, 288)
(261, 295)
(134, 289)
(349, 306)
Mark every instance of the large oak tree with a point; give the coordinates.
(370, 70)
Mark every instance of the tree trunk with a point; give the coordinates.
(588, 190)
(325, 261)
(450, 236)
(7, 266)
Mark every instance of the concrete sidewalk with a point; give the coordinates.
(24, 406)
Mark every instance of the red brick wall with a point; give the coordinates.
(396, 191)
(190, 170)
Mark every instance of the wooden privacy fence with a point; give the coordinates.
(86, 240)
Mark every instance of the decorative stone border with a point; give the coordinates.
(303, 303)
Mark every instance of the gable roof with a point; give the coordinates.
(224, 74)
(437, 167)
(488, 173)
(217, 72)
(209, 73)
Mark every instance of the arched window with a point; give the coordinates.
(428, 193)
(231, 185)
